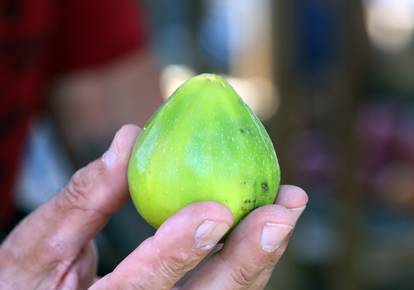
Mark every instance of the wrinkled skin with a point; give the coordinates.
(52, 248)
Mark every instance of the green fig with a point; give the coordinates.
(203, 144)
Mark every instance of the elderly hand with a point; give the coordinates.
(52, 248)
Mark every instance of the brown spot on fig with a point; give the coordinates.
(265, 186)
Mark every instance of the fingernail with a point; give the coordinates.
(110, 156)
(273, 236)
(209, 233)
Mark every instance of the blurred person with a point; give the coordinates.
(52, 248)
(90, 57)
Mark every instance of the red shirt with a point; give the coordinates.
(40, 39)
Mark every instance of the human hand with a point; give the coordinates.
(52, 248)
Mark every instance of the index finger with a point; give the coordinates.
(176, 248)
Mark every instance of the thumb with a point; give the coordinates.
(63, 226)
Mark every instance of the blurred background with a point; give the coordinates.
(333, 82)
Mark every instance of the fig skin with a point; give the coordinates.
(203, 144)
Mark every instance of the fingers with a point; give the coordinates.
(65, 224)
(254, 247)
(176, 248)
(291, 200)
(292, 197)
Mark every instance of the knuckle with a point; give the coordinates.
(175, 264)
(77, 193)
(242, 276)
